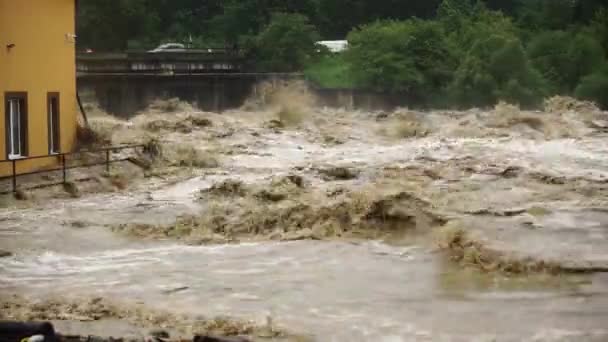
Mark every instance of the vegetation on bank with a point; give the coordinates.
(450, 53)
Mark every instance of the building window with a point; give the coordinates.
(16, 125)
(54, 122)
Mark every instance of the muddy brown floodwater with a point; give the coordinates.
(331, 225)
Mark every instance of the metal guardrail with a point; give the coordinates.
(107, 151)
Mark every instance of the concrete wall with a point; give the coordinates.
(124, 96)
(42, 60)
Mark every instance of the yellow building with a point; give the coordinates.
(38, 115)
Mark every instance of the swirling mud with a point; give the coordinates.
(336, 225)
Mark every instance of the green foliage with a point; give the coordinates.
(331, 71)
(286, 44)
(564, 58)
(595, 87)
(456, 13)
(599, 28)
(109, 25)
(477, 25)
(434, 52)
(547, 14)
(239, 18)
(409, 56)
(496, 68)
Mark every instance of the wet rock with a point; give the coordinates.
(5, 254)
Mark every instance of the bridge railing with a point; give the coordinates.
(191, 61)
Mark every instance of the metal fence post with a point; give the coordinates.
(65, 176)
(108, 161)
(14, 176)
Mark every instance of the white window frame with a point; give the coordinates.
(11, 129)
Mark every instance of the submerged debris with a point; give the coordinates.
(462, 248)
(332, 173)
(94, 309)
(229, 187)
(188, 156)
(557, 104)
(72, 189)
(284, 209)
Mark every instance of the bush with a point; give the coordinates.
(546, 14)
(564, 58)
(408, 56)
(475, 24)
(332, 71)
(497, 68)
(599, 28)
(286, 44)
(595, 87)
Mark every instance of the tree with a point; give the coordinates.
(496, 68)
(455, 13)
(547, 14)
(474, 23)
(599, 28)
(109, 25)
(565, 57)
(286, 44)
(409, 56)
(594, 87)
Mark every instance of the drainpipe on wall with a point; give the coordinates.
(84, 114)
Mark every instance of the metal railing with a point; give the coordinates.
(106, 152)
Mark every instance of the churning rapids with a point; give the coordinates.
(531, 184)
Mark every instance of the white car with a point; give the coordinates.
(170, 47)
